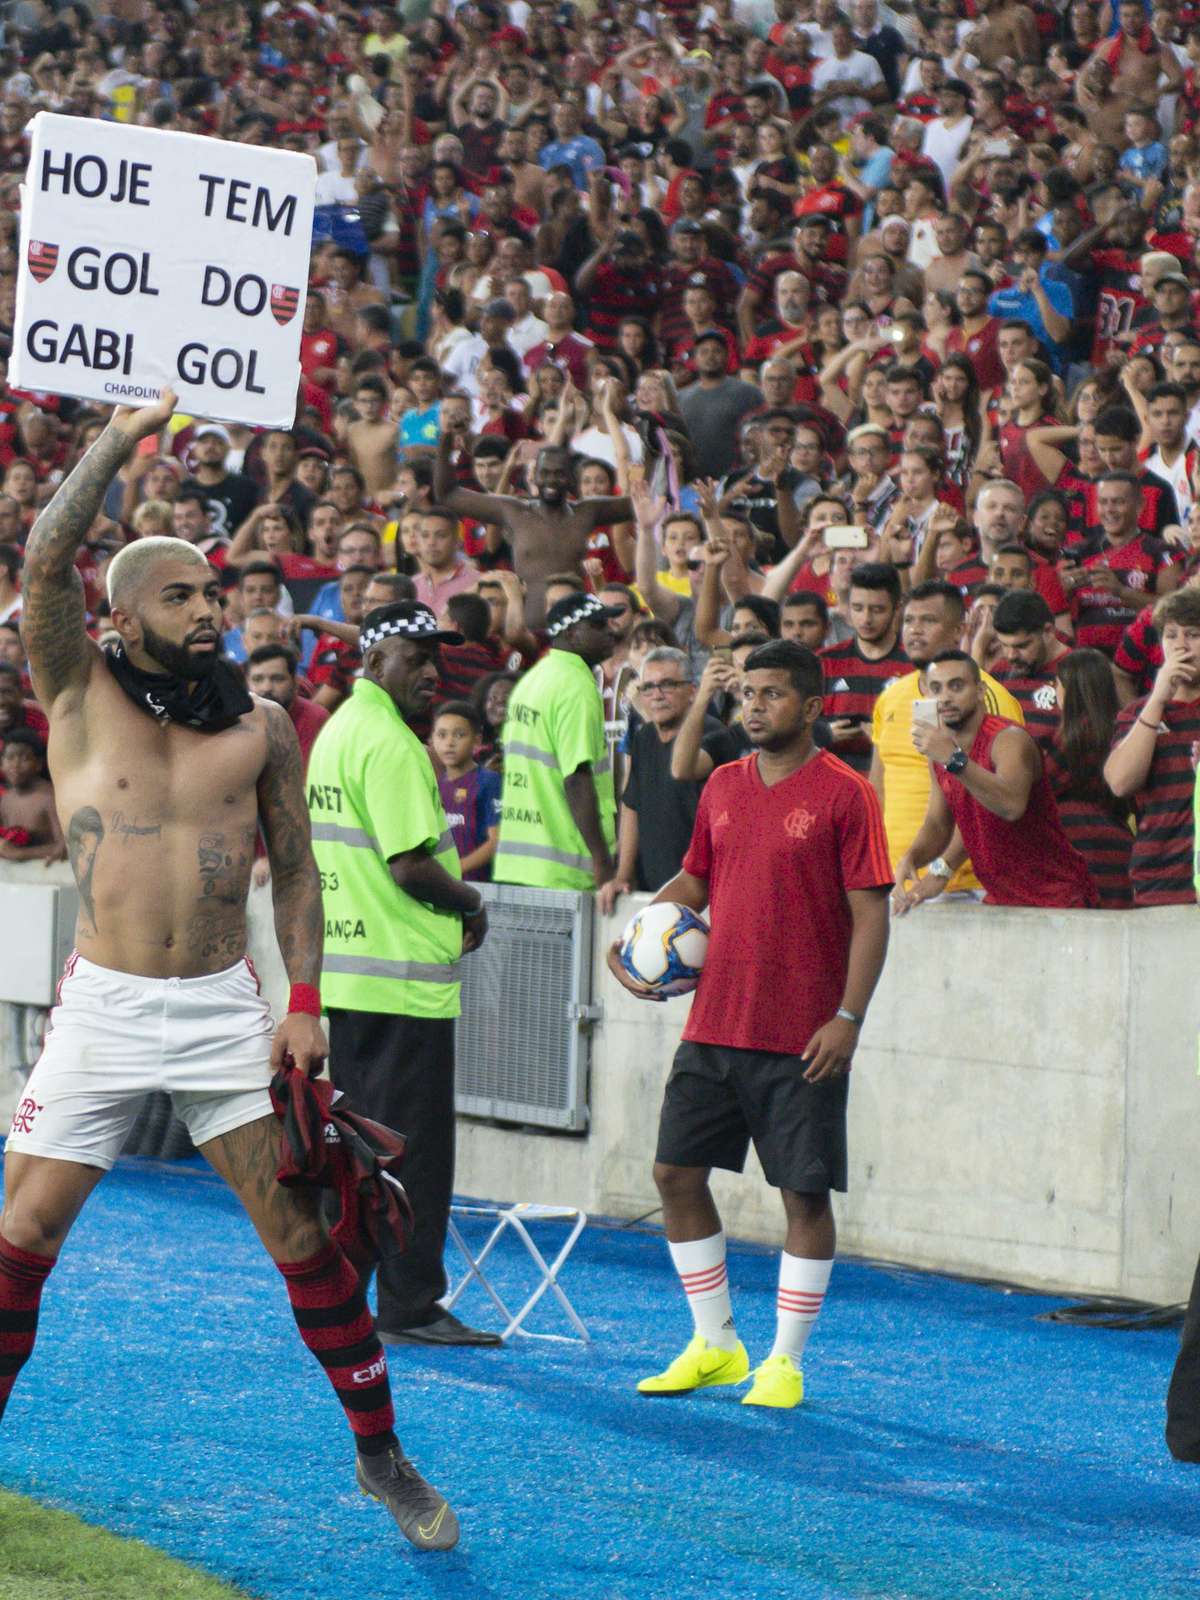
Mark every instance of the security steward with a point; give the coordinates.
(398, 919)
(558, 809)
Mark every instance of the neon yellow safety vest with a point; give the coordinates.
(555, 723)
(372, 795)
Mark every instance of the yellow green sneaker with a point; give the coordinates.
(701, 1366)
(778, 1382)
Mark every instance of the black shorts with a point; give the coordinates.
(718, 1099)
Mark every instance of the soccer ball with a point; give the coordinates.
(664, 946)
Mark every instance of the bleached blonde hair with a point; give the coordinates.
(128, 569)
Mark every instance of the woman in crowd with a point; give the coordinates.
(1095, 821)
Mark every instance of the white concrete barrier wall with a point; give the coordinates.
(1025, 1102)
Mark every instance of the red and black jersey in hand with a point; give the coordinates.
(1100, 616)
(1034, 693)
(853, 683)
(1162, 852)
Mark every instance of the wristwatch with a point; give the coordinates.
(957, 761)
(940, 869)
(849, 1016)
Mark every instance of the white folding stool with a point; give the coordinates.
(516, 1217)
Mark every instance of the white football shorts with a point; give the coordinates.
(114, 1036)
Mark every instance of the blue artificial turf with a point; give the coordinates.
(950, 1447)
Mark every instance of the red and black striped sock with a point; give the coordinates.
(330, 1307)
(22, 1276)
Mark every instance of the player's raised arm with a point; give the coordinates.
(52, 616)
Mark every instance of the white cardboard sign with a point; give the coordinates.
(154, 260)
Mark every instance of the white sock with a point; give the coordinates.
(802, 1286)
(700, 1264)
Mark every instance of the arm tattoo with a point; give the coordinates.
(52, 620)
(283, 813)
(85, 832)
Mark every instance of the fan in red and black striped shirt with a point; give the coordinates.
(1151, 759)
(617, 282)
(807, 257)
(1093, 819)
(1138, 656)
(690, 257)
(1116, 572)
(858, 670)
(1032, 653)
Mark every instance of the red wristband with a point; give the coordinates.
(304, 998)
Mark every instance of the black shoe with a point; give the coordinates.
(423, 1516)
(444, 1329)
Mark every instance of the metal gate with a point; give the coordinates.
(523, 1041)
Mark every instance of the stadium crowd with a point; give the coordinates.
(876, 328)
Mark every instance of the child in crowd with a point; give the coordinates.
(470, 793)
(29, 829)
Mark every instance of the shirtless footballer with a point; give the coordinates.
(163, 768)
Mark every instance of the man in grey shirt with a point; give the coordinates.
(715, 404)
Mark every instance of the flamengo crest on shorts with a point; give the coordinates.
(42, 258)
(283, 303)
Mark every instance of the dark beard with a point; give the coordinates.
(177, 659)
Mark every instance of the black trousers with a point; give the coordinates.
(400, 1071)
(1183, 1396)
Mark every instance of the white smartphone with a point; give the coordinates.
(926, 711)
(846, 536)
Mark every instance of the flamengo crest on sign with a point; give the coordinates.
(42, 258)
(283, 303)
(173, 265)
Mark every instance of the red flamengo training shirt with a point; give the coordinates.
(1029, 862)
(778, 862)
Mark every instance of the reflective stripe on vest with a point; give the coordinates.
(370, 967)
(335, 833)
(531, 752)
(544, 852)
(360, 839)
